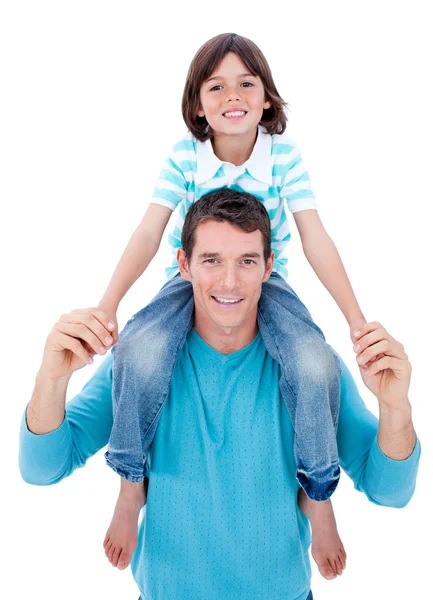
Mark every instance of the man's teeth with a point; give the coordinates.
(237, 113)
(224, 301)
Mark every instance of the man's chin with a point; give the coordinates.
(228, 324)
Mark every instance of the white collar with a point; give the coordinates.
(259, 164)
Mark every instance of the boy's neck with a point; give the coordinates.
(235, 149)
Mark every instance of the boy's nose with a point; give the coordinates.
(233, 95)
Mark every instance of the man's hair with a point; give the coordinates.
(231, 206)
(204, 63)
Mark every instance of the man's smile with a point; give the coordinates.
(226, 302)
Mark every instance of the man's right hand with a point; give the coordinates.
(74, 340)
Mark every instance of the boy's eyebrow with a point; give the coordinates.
(239, 76)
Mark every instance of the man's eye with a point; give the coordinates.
(249, 261)
(210, 260)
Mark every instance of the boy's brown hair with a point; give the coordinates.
(205, 62)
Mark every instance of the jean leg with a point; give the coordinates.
(309, 383)
(144, 360)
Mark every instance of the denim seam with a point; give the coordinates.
(165, 393)
(280, 361)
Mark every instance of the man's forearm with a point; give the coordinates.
(396, 436)
(46, 409)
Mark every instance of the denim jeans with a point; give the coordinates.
(146, 354)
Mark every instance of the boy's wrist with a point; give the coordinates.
(109, 304)
(356, 321)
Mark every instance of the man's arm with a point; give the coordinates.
(52, 445)
(381, 458)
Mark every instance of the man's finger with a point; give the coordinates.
(368, 328)
(66, 342)
(384, 347)
(94, 321)
(372, 333)
(80, 331)
(399, 367)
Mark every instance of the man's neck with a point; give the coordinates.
(226, 340)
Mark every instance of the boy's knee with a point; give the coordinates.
(316, 360)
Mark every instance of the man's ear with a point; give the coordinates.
(269, 266)
(183, 264)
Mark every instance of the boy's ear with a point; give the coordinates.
(183, 264)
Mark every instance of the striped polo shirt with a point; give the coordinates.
(274, 173)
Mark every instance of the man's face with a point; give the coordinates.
(226, 269)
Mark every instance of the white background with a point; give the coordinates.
(90, 105)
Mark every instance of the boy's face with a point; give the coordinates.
(226, 269)
(231, 88)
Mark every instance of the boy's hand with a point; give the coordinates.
(355, 326)
(111, 310)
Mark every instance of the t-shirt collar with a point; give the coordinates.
(259, 164)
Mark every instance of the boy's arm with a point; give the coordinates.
(136, 257)
(170, 191)
(323, 256)
(381, 458)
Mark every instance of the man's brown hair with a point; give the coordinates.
(238, 208)
(204, 63)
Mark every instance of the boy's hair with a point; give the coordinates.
(205, 62)
(227, 205)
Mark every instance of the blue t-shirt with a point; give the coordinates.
(221, 519)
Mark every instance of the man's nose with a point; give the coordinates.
(229, 277)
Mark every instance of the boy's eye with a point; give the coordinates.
(243, 84)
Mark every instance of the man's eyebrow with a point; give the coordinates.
(217, 254)
(239, 76)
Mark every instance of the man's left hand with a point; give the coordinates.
(385, 368)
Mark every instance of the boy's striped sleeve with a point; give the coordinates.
(171, 187)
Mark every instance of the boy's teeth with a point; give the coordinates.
(237, 113)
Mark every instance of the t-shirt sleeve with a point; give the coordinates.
(383, 480)
(296, 186)
(48, 458)
(171, 187)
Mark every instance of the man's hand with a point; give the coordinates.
(74, 340)
(383, 364)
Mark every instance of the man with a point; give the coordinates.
(221, 518)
